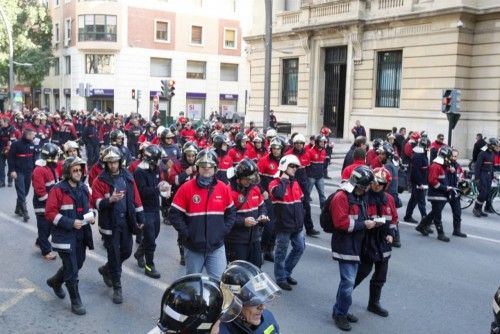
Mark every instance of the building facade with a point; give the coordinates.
(108, 50)
(383, 62)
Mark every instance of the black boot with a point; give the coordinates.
(441, 235)
(24, 211)
(183, 259)
(138, 238)
(150, 270)
(423, 226)
(18, 210)
(269, 253)
(397, 239)
(457, 231)
(76, 303)
(55, 282)
(117, 293)
(488, 208)
(139, 256)
(478, 210)
(104, 271)
(374, 301)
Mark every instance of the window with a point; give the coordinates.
(290, 78)
(388, 79)
(162, 33)
(292, 5)
(99, 64)
(97, 28)
(56, 66)
(161, 67)
(228, 72)
(229, 38)
(195, 69)
(56, 3)
(196, 35)
(56, 32)
(67, 61)
(67, 31)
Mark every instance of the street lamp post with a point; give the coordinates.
(8, 27)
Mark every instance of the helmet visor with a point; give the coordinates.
(259, 290)
(231, 306)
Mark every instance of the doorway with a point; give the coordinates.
(335, 79)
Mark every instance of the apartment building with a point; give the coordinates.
(109, 48)
(384, 62)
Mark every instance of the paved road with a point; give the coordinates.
(432, 287)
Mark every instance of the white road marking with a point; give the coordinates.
(96, 257)
(20, 294)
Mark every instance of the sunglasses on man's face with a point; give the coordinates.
(293, 166)
(76, 170)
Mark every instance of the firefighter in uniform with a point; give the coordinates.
(257, 150)
(90, 137)
(220, 144)
(21, 164)
(439, 191)
(454, 173)
(239, 151)
(351, 220)
(68, 210)
(7, 136)
(133, 131)
(377, 242)
(317, 156)
(117, 139)
(115, 196)
(243, 241)
(483, 174)
(147, 179)
(172, 154)
(43, 179)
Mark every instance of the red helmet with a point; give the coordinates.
(382, 175)
(415, 135)
(325, 131)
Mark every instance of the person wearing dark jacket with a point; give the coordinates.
(7, 137)
(115, 196)
(133, 132)
(90, 137)
(483, 175)
(220, 143)
(435, 146)
(117, 139)
(172, 155)
(21, 164)
(377, 242)
(349, 157)
(203, 213)
(399, 140)
(418, 177)
(478, 145)
(68, 210)
(243, 241)
(351, 220)
(439, 191)
(454, 174)
(358, 130)
(147, 179)
(287, 197)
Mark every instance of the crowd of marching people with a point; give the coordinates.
(234, 195)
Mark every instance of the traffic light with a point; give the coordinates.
(139, 94)
(164, 88)
(133, 94)
(446, 102)
(455, 100)
(171, 88)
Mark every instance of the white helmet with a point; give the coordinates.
(299, 138)
(287, 160)
(271, 133)
(159, 130)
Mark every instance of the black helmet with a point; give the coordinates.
(377, 142)
(167, 133)
(492, 143)
(496, 311)
(424, 142)
(71, 162)
(248, 283)
(464, 187)
(112, 154)
(445, 153)
(318, 139)
(218, 140)
(152, 154)
(239, 138)
(207, 157)
(247, 168)
(277, 142)
(114, 135)
(50, 152)
(387, 149)
(361, 177)
(193, 303)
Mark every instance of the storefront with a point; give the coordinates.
(228, 105)
(46, 97)
(195, 105)
(67, 98)
(37, 97)
(101, 99)
(57, 98)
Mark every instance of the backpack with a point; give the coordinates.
(325, 217)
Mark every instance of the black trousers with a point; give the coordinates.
(119, 248)
(248, 252)
(268, 235)
(44, 229)
(455, 208)
(436, 212)
(417, 198)
(150, 232)
(379, 276)
(72, 261)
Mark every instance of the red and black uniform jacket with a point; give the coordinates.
(370, 156)
(248, 203)
(63, 207)
(43, 179)
(256, 154)
(301, 174)
(187, 134)
(268, 166)
(375, 248)
(438, 183)
(286, 196)
(237, 154)
(21, 156)
(177, 175)
(102, 189)
(147, 136)
(225, 162)
(104, 131)
(348, 214)
(7, 136)
(63, 133)
(317, 158)
(95, 171)
(203, 216)
(201, 143)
